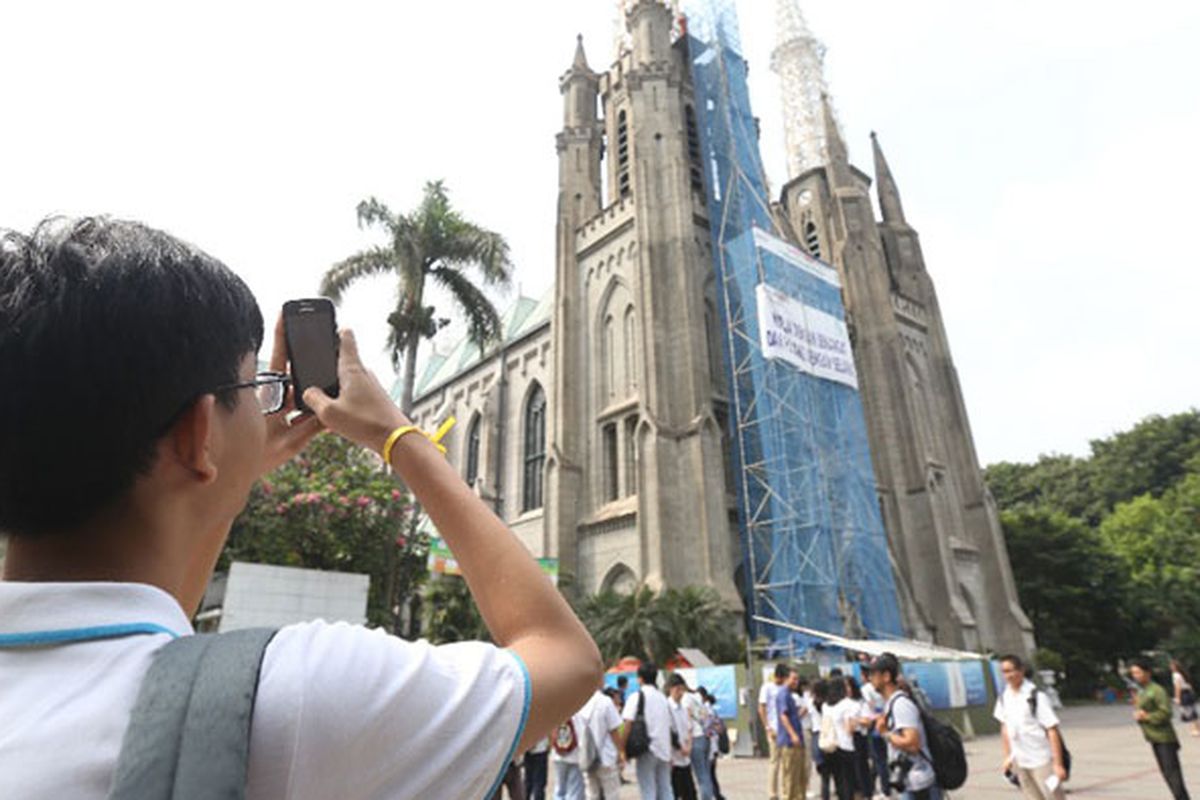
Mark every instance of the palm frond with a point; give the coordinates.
(483, 321)
(367, 262)
(467, 244)
(374, 212)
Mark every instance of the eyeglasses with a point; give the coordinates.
(270, 389)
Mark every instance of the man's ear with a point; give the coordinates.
(191, 439)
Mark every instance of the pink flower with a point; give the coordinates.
(300, 498)
(313, 498)
(327, 508)
(344, 500)
(266, 487)
(363, 501)
(281, 509)
(401, 541)
(395, 494)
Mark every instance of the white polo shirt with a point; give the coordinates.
(341, 711)
(658, 720)
(603, 719)
(1026, 733)
(767, 695)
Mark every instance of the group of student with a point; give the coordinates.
(682, 738)
(863, 740)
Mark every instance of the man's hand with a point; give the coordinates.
(1061, 772)
(1140, 716)
(881, 724)
(362, 412)
(283, 440)
(1006, 765)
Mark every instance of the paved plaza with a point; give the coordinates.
(1111, 761)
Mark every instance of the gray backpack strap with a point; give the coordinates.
(189, 733)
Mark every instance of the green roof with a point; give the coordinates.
(439, 368)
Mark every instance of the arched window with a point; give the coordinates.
(608, 358)
(695, 170)
(622, 155)
(811, 240)
(631, 351)
(473, 449)
(535, 449)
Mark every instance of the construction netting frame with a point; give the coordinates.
(815, 552)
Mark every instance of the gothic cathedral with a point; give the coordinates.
(599, 427)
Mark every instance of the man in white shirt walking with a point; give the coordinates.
(768, 715)
(1033, 746)
(653, 766)
(604, 726)
(902, 729)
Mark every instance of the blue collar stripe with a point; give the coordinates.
(68, 635)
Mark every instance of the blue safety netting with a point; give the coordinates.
(815, 551)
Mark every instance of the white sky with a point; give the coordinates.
(1046, 150)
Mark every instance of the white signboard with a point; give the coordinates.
(260, 595)
(806, 337)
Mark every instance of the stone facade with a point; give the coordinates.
(598, 428)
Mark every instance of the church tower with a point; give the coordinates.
(948, 550)
(636, 465)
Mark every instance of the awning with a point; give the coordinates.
(904, 649)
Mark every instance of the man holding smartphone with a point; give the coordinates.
(132, 427)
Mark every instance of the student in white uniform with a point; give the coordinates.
(604, 724)
(768, 715)
(1185, 696)
(133, 428)
(1032, 742)
(653, 766)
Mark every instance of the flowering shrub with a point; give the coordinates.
(334, 508)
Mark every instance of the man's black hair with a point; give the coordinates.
(677, 680)
(1013, 659)
(888, 663)
(622, 681)
(782, 671)
(648, 674)
(1143, 663)
(109, 330)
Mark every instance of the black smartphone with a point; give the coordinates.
(312, 343)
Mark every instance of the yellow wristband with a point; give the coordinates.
(436, 439)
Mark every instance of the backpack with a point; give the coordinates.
(828, 738)
(638, 741)
(715, 727)
(946, 754)
(1066, 754)
(189, 731)
(566, 740)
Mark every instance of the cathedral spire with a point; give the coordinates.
(580, 63)
(885, 184)
(799, 60)
(835, 147)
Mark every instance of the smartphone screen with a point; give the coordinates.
(312, 343)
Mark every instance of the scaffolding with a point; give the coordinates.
(799, 60)
(815, 552)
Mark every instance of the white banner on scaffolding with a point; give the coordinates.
(806, 337)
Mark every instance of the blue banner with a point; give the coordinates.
(932, 679)
(975, 682)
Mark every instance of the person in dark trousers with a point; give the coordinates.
(537, 769)
(820, 763)
(863, 783)
(1152, 710)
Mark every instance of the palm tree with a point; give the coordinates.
(433, 243)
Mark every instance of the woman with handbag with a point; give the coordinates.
(1185, 696)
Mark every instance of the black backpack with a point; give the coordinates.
(638, 741)
(1066, 755)
(946, 754)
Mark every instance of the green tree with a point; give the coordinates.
(1149, 458)
(1158, 541)
(434, 243)
(332, 508)
(1074, 591)
(1063, 483)
(450, 613)
(652, 627)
